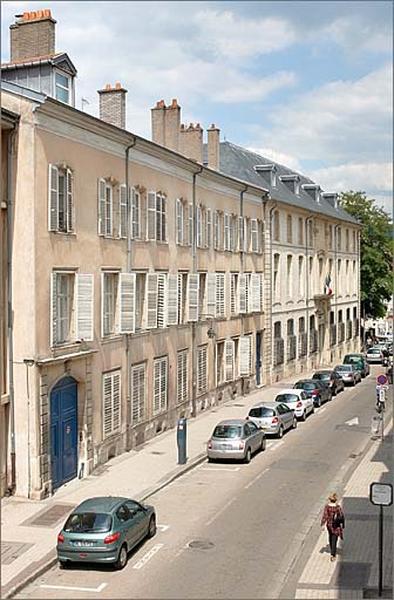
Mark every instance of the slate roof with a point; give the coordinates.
(54, 59)
(239, 162)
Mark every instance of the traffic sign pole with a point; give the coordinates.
(380, 552)
(380, 494)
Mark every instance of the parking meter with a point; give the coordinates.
(181, 432)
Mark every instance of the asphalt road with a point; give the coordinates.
(234, 530)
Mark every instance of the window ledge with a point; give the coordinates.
(115, 337)
(64, 233)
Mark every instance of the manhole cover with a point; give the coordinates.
(50, 516)
(201, 544)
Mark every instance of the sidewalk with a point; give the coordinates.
(30, 528)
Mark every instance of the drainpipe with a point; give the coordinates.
(128, 267)
(336, 277)
(271, 257)
(264, 199)
(241, 212)
(307, 220)
(194, 270)
(10, 316)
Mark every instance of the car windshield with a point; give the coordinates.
(343, 368)
(286, 398)
(353, 359)
(88, 522)
(261, 411)
(323, 376)
(227, 431)
(304, 385)
(374, 351)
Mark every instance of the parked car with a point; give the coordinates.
(314, 389)
(298, 401)
(330, 378)
(273, 417)
(104, 530)
(237, 439)
(349, 373)
(374, 355)
(359, 360)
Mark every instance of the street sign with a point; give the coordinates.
(381, 494)
(381, 379)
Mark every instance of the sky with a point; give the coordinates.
(308, 84)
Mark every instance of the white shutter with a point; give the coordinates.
(208, 234)
(180, 298)
(53, 198)
(135, 214)
(254, 235)
(261, 292)
(190, 224)
(151, 216)
(172, 299)
(242, 298)
(229, 346)
(227, 231)
(70, 200)
(111, 403)
(84, 304)
(53, 310)
(227, 294)
(192, 296)
(138, 393)
(245, 235)
(151, 300)
(216, 240)
(255, 290)
(127, 283)
(240, 234)
(202, 373)
(220, 295)
(122, 211)
(116, 400)
(248, 294)
(244, 355)
(179, 221)
(101, 206)
(233, 294)
(210, 294)
(162, 300)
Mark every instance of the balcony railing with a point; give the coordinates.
(291, 347)
(279, 351)
(302, 344)
(333, 334)
(341, 332)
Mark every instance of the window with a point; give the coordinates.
(301, 276)
(300, 231)
(160, 366)
(199, 224)
(229, 354)
(60, 199)
(112, 209)
(233, 293)
(220, 296)
(63, 88)
(311, 280)
(246, 234)
(208, 234)
(118, 303)
(330, 237)
(156, 217)
(161, 300)
(339, 291)
(71, 307)
(276, 276)
(289, 276)
(339, 239)
(181, 380)
(137, 394)
(201, 295)
(190, 227)
(347, 240)
(217, 230)
(192, 296)
(289, 229)
(140, 288)
(321, 281)
(111, 403)
(180, 216)
(172, 299)
(254, 233)
(110, 295)
(276, 226)
(135, 215)
(241, 234)
(354, 247)
(202, 370)
(227, 239)
(245, 355)
(310, 233)
(182, 295)
(233, 233)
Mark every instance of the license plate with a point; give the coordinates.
(226, 447)
(83, 543)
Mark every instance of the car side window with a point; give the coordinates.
(123, 513)
(134, 507)
(284, 408)
(247, 429)
(252, 427)
(303, 396)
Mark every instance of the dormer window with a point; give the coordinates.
(273, 178)
(63, 87)
(292, 182)
(269, 173)
(313, 190)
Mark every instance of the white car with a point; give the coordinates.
(298, 401)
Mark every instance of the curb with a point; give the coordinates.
(51, 558)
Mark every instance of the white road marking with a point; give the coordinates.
(352, 422)
(163, 527)
(75, 589)
(256, 478)
(219, 512)
(142, 562)
(220, 469)
(277, 446)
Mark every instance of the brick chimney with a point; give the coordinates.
(33, 34)
(166, 124)
(190, 141)
(113, 105)
(213, 147)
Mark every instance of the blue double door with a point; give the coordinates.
(64, 441)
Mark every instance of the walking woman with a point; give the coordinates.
(334, 519)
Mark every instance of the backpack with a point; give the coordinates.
(338, 519)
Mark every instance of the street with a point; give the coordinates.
(230, 530)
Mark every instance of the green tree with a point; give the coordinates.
(376, 251)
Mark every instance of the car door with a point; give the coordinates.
(123, 517)
(251, 433)
(307, 402)
(139, 523)
(287, 416)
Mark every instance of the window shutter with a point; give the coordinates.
(162, 300)
(210, 294)
(229, 346)
(127, 283)
(172, 299)
(227, 294)
(123, 211)
(233, 293)
(151, 300)
(116, 399)
(261, 292)
(179, 221)
(220, 295)
(101, 206)
(216, 230)
(192, 296)
(135, 214)
(240, 234)
(248, 294)
(255, 292)
(242, 303)
(84, 304)
(151, 216)
(190, 224)
(107, 405)
(53, 198)
(254, 235)
(244, 355)
(180, 298)
(53, 310)
(202, 374)
(208, 234)
(138, 393)
(70, 200)
(245, 235)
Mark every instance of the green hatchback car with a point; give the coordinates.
(359, 361)
(104, 530)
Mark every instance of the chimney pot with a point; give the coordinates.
(174, 103)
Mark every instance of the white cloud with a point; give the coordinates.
(280, 157)
(356, 35)
(355, 176)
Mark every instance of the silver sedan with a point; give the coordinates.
(273, 417)
(235, 438)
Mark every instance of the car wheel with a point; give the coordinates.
(318, 404)
(313, 408)
(211, 460)
(152, 527)
(263, 444)
(64, 564)
(303, 418)
(280, 432)
(248, 456)
(295, 423)
(122, 558)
